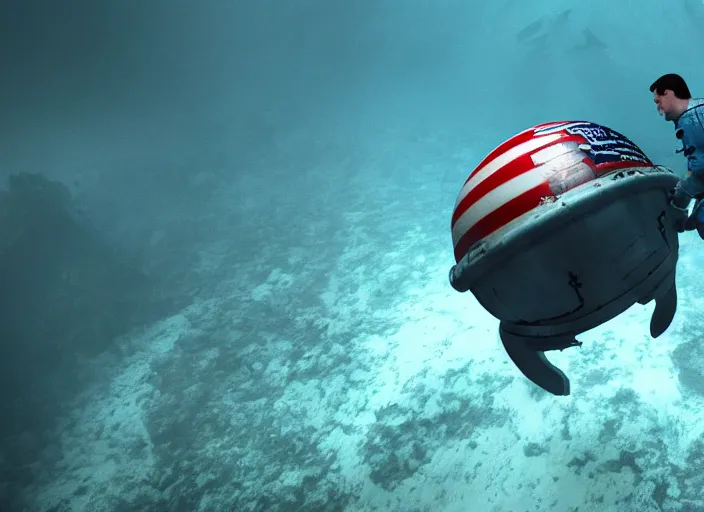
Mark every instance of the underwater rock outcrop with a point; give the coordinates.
(65, 295)
(61, 286)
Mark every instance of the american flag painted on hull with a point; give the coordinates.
(531, 167)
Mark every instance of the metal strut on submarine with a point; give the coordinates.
(528, 352)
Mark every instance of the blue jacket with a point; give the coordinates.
(690, 129)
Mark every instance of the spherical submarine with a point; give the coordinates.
(559, 229)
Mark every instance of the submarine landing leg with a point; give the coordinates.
(528, 355)
(665, 308)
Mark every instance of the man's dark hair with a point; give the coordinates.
(674, 83)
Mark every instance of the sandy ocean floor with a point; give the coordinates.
(334, 368)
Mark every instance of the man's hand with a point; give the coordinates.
(679, 202)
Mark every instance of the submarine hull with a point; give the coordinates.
(560, 229)
(577, 262)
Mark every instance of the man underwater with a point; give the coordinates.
(675, 103)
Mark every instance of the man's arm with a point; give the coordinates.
(691, 132)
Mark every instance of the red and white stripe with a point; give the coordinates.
(505, 185)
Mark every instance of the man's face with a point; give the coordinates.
(666, 104)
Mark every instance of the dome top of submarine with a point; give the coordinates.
(533, 167)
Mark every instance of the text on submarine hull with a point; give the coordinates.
(560, 229)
